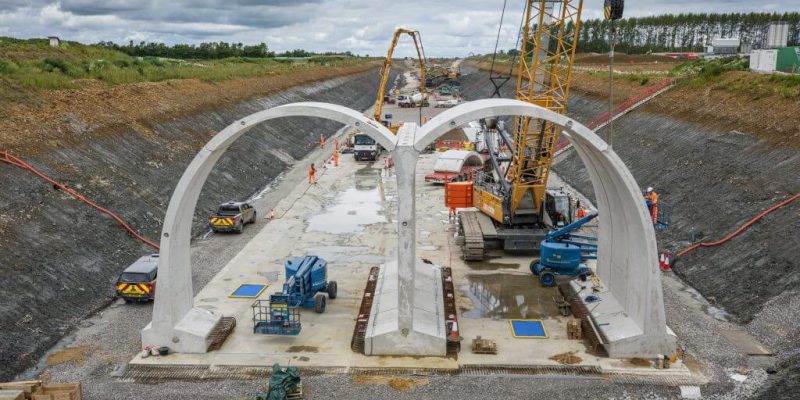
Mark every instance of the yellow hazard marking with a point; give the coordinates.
(221, 221)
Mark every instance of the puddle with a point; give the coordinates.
(508, 296)
(345, 254)
(354, 209)
(367, 179)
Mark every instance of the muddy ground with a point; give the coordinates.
(60, 258)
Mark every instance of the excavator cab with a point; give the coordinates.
(557, 208)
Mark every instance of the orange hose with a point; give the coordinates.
(741, 228)
(8, 158)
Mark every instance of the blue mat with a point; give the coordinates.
(248, 290)
(528, 328)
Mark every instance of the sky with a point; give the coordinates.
(448, 28)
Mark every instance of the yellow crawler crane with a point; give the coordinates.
(516, 199)
(387, 67)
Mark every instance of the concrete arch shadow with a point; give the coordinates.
(176, 323)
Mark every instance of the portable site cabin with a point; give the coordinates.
(786, 59)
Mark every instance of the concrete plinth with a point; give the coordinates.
(427, 334)
(190, 335)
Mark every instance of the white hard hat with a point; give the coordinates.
(649, 189)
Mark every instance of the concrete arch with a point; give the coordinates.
(176, 322)
(627, 256)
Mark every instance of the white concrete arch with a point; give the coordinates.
(176, 322)
(627, 256)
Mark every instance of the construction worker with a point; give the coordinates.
(580, 213)
(321, 140)
(336, 145)
(336, 158)
(312, 175)
(272, 214)
(651, 199)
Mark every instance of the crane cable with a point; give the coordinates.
(503, 79)
(741, 228)
(8, 158)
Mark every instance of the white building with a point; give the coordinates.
(54, 41)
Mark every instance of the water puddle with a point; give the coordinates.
(367, 179)
(509, 296)
(354, 209)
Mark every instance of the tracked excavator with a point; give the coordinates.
(516, 209)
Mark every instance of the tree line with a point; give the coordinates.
(211, 50)
(683, 32)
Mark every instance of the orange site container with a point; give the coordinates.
(458, 194)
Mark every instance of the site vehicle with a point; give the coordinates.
(138, 281)
(405, 101)
(563, 252)
(402, 101)
(455, 166)
(306, 286)
(512, 196)
(365, 148)
(232, 217)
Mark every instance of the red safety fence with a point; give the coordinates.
(622, 108)
(8, 158)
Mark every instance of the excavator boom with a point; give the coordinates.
(387, 67)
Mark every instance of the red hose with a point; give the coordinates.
(8, 158)
(741, 228)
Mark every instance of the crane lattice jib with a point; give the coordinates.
(550, 38)
(387, 66)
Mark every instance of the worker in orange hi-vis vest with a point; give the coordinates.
(581, 212)
(651, 198)
(336, 145)
(312, 175)
(321, 141)
(336, 158)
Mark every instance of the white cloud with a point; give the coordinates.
(448, 28)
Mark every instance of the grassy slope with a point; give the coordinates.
(28, 66)
(718, 93)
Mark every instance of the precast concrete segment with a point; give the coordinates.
(407, 316)
(627, 255)
(176, 323)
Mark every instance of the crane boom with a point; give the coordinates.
(544, 77)
(387, 66)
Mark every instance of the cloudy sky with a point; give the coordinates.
(449, 28)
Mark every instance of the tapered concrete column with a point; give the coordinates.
(407, 315)
(405, 163)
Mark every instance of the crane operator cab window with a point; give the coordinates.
(558, 207)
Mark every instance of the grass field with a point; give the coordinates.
(30, 65)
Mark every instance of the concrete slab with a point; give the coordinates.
(348, 218)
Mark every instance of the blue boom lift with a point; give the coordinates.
(563, 252)
(306, 286)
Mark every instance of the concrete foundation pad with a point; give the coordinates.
(384, 337)
(624, 338)
(190, 335)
